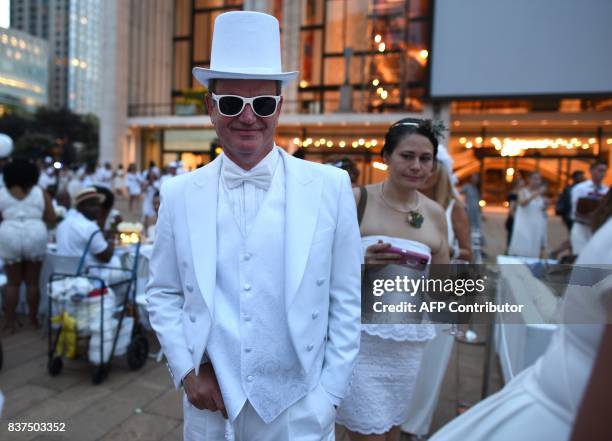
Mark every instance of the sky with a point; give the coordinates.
(4, 13)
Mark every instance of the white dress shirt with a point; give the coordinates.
(74, 232)
(247, 197)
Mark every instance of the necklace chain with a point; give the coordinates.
(405, 211)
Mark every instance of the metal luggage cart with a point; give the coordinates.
(80, 316)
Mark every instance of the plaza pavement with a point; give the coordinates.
(143, 405)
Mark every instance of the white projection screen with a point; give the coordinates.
(508, 48)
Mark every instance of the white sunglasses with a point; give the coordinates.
(233, 105)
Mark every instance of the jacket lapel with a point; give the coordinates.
(201, 208)
(303, 197)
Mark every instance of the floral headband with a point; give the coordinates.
(435, 127)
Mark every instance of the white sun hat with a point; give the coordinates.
(245, 46)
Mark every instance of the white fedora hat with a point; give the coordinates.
(245, 46)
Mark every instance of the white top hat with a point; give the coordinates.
(245, 46)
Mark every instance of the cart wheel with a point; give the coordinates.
(99, 374)
(137, 352)
(54, 366)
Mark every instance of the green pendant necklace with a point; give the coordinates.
(414, 217)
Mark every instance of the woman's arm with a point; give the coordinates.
(526, 196)
(461, 227)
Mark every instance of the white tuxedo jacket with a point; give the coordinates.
(322, 261)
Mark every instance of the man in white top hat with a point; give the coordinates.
(254, 289)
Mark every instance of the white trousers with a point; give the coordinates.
(309, 419)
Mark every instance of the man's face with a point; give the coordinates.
(245, 138)
(578, 178)
(598, 173)
(90, 209)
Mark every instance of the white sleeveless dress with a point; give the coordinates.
(529, 232)
(23, 234)
(386, 367)
(542, 401)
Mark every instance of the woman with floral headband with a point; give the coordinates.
(394, 216)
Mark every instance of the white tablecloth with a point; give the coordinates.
(520, 345)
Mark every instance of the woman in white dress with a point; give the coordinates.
(152, 186)
(119, 181)
(541, 403)
(24, 209)
(529, 231)
(134, 185)
(394, 213)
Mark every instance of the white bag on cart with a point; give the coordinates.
(123, 340)
(74, 296)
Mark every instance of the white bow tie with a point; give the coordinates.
(260, 177)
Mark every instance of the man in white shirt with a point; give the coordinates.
(76, 231)
(254, 289)
(591, 191)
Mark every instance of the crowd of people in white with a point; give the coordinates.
(138, 186)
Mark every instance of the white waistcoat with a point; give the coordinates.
(249, 345)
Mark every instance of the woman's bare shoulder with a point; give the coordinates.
(371, 188)
(431, 206)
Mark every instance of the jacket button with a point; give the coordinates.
(192, 318)
(320, 282)
(189, 287)
(190, 348)
(247, 287)
(250, 378)
(315, 315)
(310, 347)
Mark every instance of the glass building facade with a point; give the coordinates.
(23, 70)
(73, 31)
(84, 54)
(377, 49)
